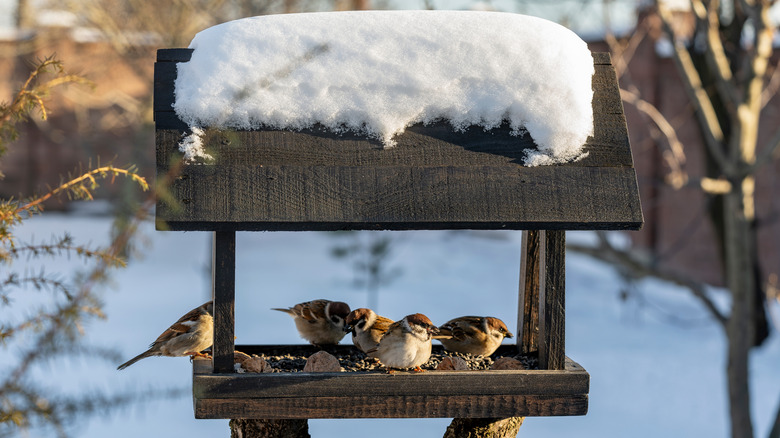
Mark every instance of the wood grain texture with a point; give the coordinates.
(243, 428)
(528, 299)
(223, 292)
(484, 427)
(435, 178)
(381, 384)
(430, 145)
(462, 394)
(401, 406)
(414, 197)
(552, 312)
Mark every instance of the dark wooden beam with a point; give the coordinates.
(552, 312)
(223, 293)
(402, 406)
(528, 302)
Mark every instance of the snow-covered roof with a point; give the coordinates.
(378, 72)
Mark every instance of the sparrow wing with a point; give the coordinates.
(183, 325)
(465, 327)
(310, 309)
(396, 327)
(381, 324)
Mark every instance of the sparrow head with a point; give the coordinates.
(359, 318)
(207, 308)
(421, 321)
(497, 328)
(336, 312)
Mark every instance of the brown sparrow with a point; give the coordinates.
(191, 334)
(367, 328)
(321, 322)
(407, 343)
(477, 335)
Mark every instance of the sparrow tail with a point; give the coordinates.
(135, 359)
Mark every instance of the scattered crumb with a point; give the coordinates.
(358, 361)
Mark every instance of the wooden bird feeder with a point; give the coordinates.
(435, 178)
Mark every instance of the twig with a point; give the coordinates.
(677, 159)
(713, 134)
(640, 268)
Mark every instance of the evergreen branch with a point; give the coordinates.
(77, 186)
(30, 96)
(39, 282)
(65, 247)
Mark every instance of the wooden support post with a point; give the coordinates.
(552, 256)
(242, 428)
(484, 427)
(223, 292)
(528, 301)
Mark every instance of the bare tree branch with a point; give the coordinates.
(767, 154)
(708, 19)
(623, 53)
(771, 88)
(713, 134)
(641, 268)
(753, 73)
(676, 159)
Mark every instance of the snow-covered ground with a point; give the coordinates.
(649, 377)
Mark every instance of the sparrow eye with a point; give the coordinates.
(335, 319)
(361, 324)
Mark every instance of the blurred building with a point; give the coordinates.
(677, 231)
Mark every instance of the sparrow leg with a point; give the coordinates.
(418, 370)
(198, 354)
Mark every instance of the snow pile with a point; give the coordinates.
(191, 145)
(377, 72)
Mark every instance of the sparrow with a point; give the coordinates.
(191, 334)
(477, 335)
(367, 328)
(407, 343)
(321, 322)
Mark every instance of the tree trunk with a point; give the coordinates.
(484, 427)
(740, 328)
(240, 428)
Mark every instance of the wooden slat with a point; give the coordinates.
(223, 293)
(602, 58)
(174, 55)
(608, 146)
(528, 301)
(607, 91)
(326, 198)
(419, 406)
(432, 145)
(552, 312)
(465, 394)
(379, 383)
(164, 90)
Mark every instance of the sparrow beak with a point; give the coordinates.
(349, 329)
(509, 335)
(433, 330)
